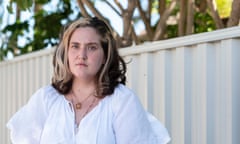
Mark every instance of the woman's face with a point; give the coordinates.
(85, 53)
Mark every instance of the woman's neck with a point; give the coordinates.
(82, 88)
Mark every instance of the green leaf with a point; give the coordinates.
(9, 8)
(23, 4)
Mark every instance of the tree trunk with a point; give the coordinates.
(127, 23)
(182, 18)
(235, 14)
(190, 17)
(162, 6)
(202, 6)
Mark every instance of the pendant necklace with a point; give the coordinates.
(78, 105)
(78, 108)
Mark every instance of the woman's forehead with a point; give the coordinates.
(85, 34)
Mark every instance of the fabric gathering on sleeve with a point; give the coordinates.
(159, 130)
(27, 123)
(132, 124)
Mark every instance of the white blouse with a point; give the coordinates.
(117, 119)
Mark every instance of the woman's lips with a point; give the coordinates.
(81, 64)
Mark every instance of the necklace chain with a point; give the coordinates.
(78, 105)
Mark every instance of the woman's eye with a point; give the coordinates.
(74, 46)
(91, 47)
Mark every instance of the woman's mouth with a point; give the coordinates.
(82, 64)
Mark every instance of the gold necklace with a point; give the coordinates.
(78, 105)
(78, 119)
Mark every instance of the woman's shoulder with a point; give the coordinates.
(46, 94)
(123, 90)
(47, 89)
(123, 95)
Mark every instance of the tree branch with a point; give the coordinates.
(113, 8)
(82, 8)
(145, 21)
(213, 12)
(119, 5)
(134, 36)
(161, 26)
(93, 9)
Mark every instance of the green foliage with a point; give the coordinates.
(45, 30)
(47, 27)
(172, 31)
(22, 4)
(14, 30)
(203, 22)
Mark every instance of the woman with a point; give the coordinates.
(87, 102)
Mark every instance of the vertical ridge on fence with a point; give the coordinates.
(235, 76)
(210, 92)
(160, 81)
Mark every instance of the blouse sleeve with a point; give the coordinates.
(26, 125)
(132, 124)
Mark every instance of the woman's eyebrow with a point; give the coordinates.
(74, 43)
(88, 43)
(93, 43)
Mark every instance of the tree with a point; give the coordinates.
(177, 18)
(45, 29)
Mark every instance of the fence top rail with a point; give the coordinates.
(31, 55)
(227, 33)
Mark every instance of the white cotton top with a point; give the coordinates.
(117, 119)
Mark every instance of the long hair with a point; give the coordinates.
(109, 76)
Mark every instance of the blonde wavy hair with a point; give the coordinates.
(109, 76)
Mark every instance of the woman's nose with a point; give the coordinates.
(82, 54)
